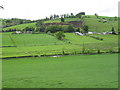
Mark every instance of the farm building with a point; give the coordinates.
(28, 32)
(104, 33)
(92, 33)
(18, 32)
(78, 33)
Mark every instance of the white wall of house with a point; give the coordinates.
(18, 32)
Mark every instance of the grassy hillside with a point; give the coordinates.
(79, 71)
(96, 26)
(90, 20)
(66, 20)
(43, 44)
(20, 26)
(76, 39)
(108, 42)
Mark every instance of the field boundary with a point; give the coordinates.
(4, 58)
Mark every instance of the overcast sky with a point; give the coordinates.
(37, 9)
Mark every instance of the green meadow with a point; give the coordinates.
(75, 71)
(15, 45)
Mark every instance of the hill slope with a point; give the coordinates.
(20, 26)
(95, 24)
(98, 25)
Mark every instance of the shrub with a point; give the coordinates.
(98, 51)
(59, 35)
(70, 29)
(62, 20)
(85, 28)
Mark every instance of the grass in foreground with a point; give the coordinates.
(87, 71)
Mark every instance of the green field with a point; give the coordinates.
(77, 71)
(43, 44)
(29, 40)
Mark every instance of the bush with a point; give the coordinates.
(59, 35)
(85, 28)
(56, 28)
(70, 29)
(62, 20)
(28, 29)
(98, 51)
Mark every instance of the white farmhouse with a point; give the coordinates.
(18, 32)
(104, 33)
(90, 32)
(78, 33)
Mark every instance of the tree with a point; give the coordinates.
(119, 31)
(115, 18)
(64, 15)
(113, 31)
(70, 29)
(62, 19)
(28, 29)
(46, 19)
(72, 15)
(78, 30)
(85, 28)
(78, 15)
(40, 26)
(59, 35)
(57, 16)
(96, 15)
(54, 28)
(51, 17)
(82, 13)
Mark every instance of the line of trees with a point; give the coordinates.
(71, 15)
